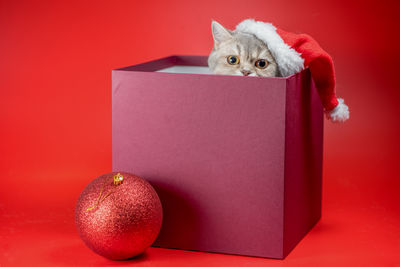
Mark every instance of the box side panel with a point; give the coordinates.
(166, 62)
(303, 159)
(213, 148)
(191, 60)
(153, 65)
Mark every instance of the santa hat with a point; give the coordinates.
(293, 52)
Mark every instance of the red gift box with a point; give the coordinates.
(236, 161)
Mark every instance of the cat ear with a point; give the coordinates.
(220, 34)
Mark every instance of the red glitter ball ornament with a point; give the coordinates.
(118, 215)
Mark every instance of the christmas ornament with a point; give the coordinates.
(118, 215)
(293, 52)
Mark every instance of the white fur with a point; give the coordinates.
(340, 113)
(288, 59)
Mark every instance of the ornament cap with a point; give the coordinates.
(118, 179)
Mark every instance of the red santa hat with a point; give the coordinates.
(294, 52)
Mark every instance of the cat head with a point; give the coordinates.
(238, 53)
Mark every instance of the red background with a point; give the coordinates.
(55, 115)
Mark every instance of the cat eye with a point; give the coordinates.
(261, 63)
(233, 60)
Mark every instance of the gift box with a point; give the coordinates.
(236, 161)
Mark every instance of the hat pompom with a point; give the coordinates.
(340, 113)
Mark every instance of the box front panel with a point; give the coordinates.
(213, 148)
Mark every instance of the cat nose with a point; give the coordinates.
(246, 72)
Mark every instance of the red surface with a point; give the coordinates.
(55, 116)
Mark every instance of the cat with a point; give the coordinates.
(238, 53)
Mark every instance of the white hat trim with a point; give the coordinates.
(288, 59)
